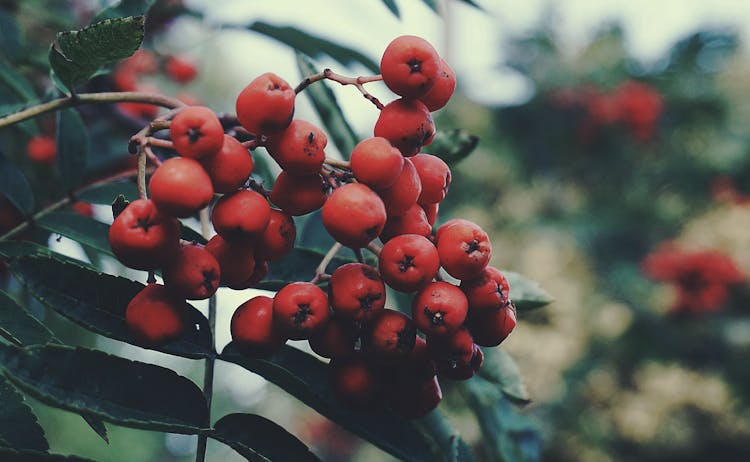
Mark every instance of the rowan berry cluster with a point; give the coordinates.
(390, 190)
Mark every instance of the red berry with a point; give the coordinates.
(435, 176)
(299, 149)
(354, 382)
(439, 309)
(488, 291)
(260, 272)
(42, 149)
(464, 248)
(181, 69)
(300, 308)
(196, 132)
(408, 262)
(431, 211)
(409, 66)
(336, 339)
(298, 195)
(193, 273)
(391, 335)
(376, 163)
(230, 167)
(83, 208)
(406, 124)
(450, 370)
(445, 83)
(142, 237)
(278, 238)
(457, 347)
(253, 330)
(155, 315)
(417, 366)
(236, 260)
(490, 328)
(241, 215)
(354, 215)
(405, 191)
(413, 221)
(266, 105)
(356, 292)
(412, 399)
(180, 187)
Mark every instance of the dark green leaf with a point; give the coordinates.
(117, 390)
(298, 265)
(97, 301)
(18, 424)
(104, 194)
(500, 368)
(313, 234)
(20, 327)
(11, 38)
(11, 249)
(446, 439)
(258, 439)
(15, 455)
(452, 146)
(17, 84)
(433, 6)
(189, 234)
(72, 147)
(305, 378)
(391, 5)
(262, 169)
(124, 8)
(471, 3)
(80, 228)
(525, 293)
(314, 46)
(15, 187)
(324, 101)
(97, 425)
(77, 55)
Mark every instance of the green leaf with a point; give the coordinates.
(189, 234)
(17, 84)
(262, 169)
(452, 146)
(305, 377)
(313, 234)
(297, 265)
(97, 425)
(104, 194)
(391, 5)
(80, 228)
(20, 327)
(314, 46)
(15, 455)
(72, 147)
(77, 55)
(432, 5)
(324, 101)
(259, 439)
(19, 427)
(12, 249)
(15, 187)
(525, 293)
(97, 302)
(500, 368)
(11, 37)
(118, 390)
(124, 8)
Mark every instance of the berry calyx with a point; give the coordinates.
(409, 66)
(439, 309)
(142, 237)
(180, 187)
(354, 215)
(193, 273)
(488, 291)
(376, 163)
(408, 262)
(266, 105)
(156, 315)
(253, 330)
(464, 248)
(356, 292)
(196, 132)
(299, 309)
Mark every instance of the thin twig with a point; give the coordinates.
(320, 271)
(358, 83)
(337, 163)
(159, 143)
(142, 194)
(374, 248)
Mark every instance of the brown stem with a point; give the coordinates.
(337, 163)
(320, 271)
(358, 82)
(142, 194)
(374, 248)
(159, 143)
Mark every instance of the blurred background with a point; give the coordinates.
(613, 167)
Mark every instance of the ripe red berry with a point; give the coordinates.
(236, 260)
(299, 149)
(376, 163)
(464, 248)
(490, 328)
(354, 215)
(409, 66)
(406, 124)
(457, 347)
(230, 167)
(412, 399)
(180, 187)
(391, 335)
(450, 370)
(431, 211)
(300, 308)
(42, 149)
(241, 215)
(253, 330)
(83, 208)
(278, 238)
(356, 292)
(417, 366)
(142, 237)
(439, 309)
(193, 273)
(155, 315)
(408, 262)
(404, 192)
(336, 339)
(354, 382)
(260, 272)
(413, 221)
(488, 291)
(435, 176)
(181, 69)
(266, 105)
(196, 132)
(298, 195)
(445, 83)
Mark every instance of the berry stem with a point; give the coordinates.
(142, 157)
(90, 98)
(337, 163)
(208, 371)
(358, 83)
(374, 248)
(320, 271)
(159, 143)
